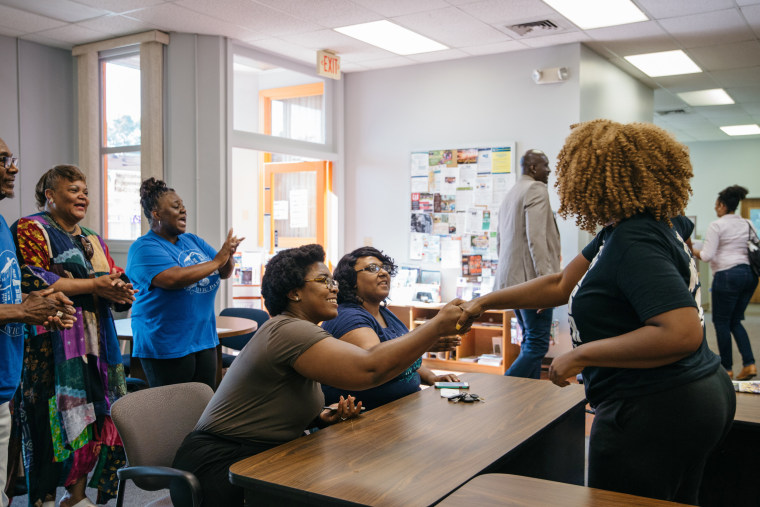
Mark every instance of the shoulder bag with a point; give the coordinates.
(753, 250)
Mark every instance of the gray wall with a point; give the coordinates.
(195, 145)
(38, 120)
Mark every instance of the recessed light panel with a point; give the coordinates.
(391, 37)
(714, 97)
(589, 14)
(664, 63)
(741, 130)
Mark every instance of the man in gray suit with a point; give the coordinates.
(529, 247)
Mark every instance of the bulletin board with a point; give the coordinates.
(454, 203)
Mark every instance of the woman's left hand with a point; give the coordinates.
(344, 409)
(563, 367)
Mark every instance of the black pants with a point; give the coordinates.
(209, 458)
(196, 367)
(657, 445)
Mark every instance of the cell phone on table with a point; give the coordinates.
(452, 385)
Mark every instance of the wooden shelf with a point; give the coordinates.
(479, 340)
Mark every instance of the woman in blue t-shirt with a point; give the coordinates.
(177, 275)
(662, 401)
(364, 278)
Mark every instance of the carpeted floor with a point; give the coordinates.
(135, 497)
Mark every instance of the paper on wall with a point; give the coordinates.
(415, 245)
(299, 208)
(420, 164)
(280, 210)
(451, 252)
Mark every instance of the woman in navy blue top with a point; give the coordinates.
(364, 276)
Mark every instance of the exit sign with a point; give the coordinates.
(328, 64)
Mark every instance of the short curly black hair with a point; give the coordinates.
(286, 271)
(345, 274)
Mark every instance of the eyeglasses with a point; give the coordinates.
(328, 281)
(86, 246)
(374, 268)
(8, 161)
(466, 398)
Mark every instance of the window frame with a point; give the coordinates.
(103, 58)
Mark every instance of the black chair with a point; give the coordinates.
(238, 342)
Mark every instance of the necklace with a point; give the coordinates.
(70, 233)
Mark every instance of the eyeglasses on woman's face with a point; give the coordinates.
(374, 268)
(328, 281)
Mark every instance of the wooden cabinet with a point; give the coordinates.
(479, 340)
(247, 296)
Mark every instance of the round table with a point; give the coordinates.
(226, 327)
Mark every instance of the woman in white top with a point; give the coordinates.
(725, 248)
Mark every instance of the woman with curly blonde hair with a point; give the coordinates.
(635, 317)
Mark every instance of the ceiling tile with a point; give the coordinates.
(253, 17)
(752, 15)
(673, 8)
(727, 56)
(121, 5)
(555, 40)
(116, 25)
(26, 22)
(724, 111)
(708, 29)
(687, 82)
(665, 100)
(178, 19)
(63, 10)
(510, 12)
(386, 63)
(747, 2)
(730, 78)
(437, 56)
(392, 8)
(450, 27)
(341, 44)
(744, 93)
(288, 49)
(490, 49)
(46, 41)
(73, 34)
(328, 13)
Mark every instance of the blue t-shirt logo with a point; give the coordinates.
(207, 284)
(10, 284)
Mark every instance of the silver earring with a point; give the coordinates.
(159, 224)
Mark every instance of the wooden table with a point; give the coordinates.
(731, 472)
(416, 450)
(226, 327)
(507, 490)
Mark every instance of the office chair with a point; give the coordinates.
(238, 342)
(152, 424)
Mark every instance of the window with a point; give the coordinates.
(277, 101)
(120, 147)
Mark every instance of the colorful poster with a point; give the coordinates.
(467, 156)
(448, 204)
(501, 160)
(441, 223)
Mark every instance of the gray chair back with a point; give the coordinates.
(238, 342)
(153, 423)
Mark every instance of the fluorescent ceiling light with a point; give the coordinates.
(664, 63)
(589, 14)
(714, 97)
(741, 130)
(391, 37)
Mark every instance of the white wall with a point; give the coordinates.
(480, 101)
(717, 165)
(37, 121)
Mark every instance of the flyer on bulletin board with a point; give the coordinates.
(501, 160)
